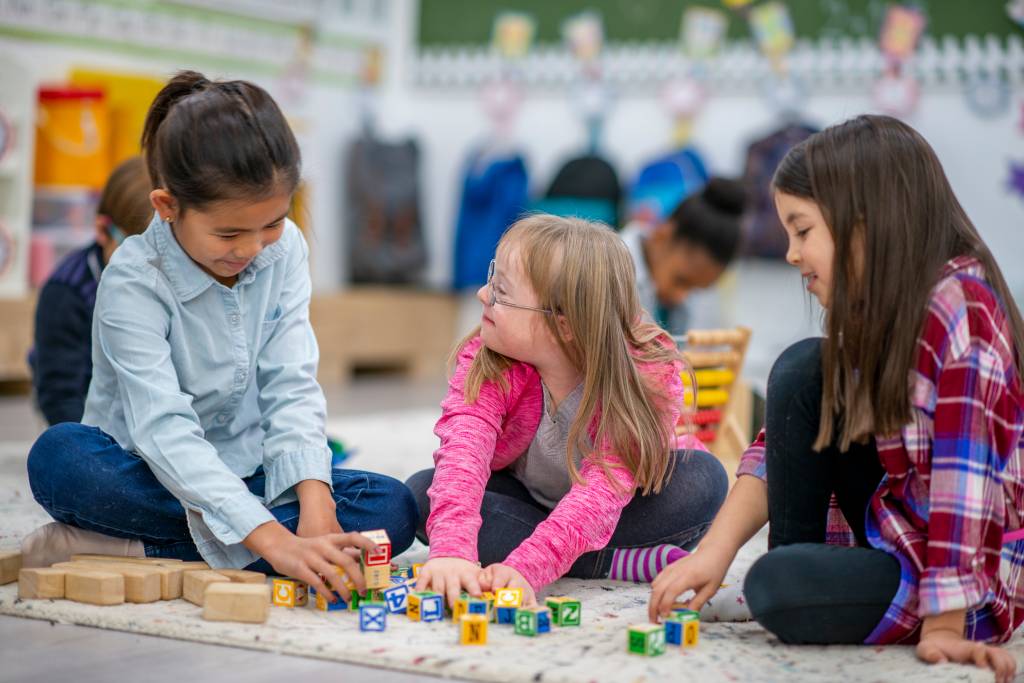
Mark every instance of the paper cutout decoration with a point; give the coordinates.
(773, 29)
(895, 94)
(584, 33)
(513, 33)
(1016, 180)
(901, 30)
(987, 94)
(1015, 8)
(702, 31)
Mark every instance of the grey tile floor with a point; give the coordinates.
(43, 652)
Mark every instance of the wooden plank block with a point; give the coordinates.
(86, 557)
(191, 566)
(170, 574)
(142, 583)
(243, 576)
(40, 583)
(10, 565)
(94, 587)
(245, 602)
(195, 583)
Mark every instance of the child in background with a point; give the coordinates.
(562, 406)
(688, 251)
(910, 411)
(203, 432)
(61, 360)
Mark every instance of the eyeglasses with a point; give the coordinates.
(492, 299)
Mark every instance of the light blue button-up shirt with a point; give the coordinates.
(207, 383)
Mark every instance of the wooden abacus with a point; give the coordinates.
(722, 417)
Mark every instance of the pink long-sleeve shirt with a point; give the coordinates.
(489, 435)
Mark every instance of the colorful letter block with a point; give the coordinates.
(532, 621)
(425, 606)
(509, 597)
(506, 615)
(565, 611)
(288, 593)
(473, 629)
(372, 617)
(416, 570)
(646, 639)
(321, 603)
(691, 627)
(397, 598)
(377, 566)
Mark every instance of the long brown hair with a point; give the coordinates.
(895, 222)
(125, 197)
(583, 272)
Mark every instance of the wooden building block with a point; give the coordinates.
(142, 583)
(416, 570)
(505, 615)
(565, 611)
(10, 565)
(245, 602)
(397, 598)
(243, 575)
(191, 566)
(94, 587)
(170, 572)
(509, 597)
(646, 639)
(377, 576)
(195, 583)
(40, 583)
(320, 602)
(383, 554)
(373, 617)
(532, 621)
(690, 622)
(473, 629)
(288, 592)
(425, 606)
(86, 557)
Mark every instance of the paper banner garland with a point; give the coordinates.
(513, 34)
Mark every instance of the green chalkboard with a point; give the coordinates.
(469, 22)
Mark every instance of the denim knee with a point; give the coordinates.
(706, 484)
(49, 457)
(402, 511)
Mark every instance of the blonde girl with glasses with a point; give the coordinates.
(558, 455)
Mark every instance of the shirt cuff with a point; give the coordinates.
(236, 518)
(752, 463)
(288, 469)
(948, 588)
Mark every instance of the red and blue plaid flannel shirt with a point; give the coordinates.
(954, 477)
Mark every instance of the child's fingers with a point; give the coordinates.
(423, 580)
(438, 583)
(453, 587)
(708, 590)
(353, 539)
(473, 585)
(484, 579)
(654, 604)
(499, 579)
(313, 579)
(350, 566)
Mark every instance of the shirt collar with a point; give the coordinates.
(958, 263)
(187, 279)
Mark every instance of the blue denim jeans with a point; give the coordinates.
(680, 514)
(82, 477)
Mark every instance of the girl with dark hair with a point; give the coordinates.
(203, 434)
(688, 251)
(910, 411)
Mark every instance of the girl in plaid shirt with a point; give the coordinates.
(909, 412)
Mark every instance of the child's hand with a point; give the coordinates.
(702, 571)
(448, 576)
(947, 646)
(309, 559)
(317, 511)
(499, 575)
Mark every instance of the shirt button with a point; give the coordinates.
(234, 319)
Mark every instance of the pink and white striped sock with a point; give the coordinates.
(641, 565)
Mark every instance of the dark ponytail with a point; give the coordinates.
(710, 218)
(208, 141)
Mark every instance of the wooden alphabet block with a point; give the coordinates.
(10, 565)
(532, 621)
(373, 617)
(94, 587)
(506, 615)
(288, 592)
(397, 598)
(646, 639)
(377, 576)
(509, 597)
(39, 583)
(690, 622)
(383, 555)
(416, 570)
(473, 629)
(195, 583)
(425, 606)
(243, 576)
(564, 611)
(245, 602)
(321, 603)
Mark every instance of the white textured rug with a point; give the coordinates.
(399, 444)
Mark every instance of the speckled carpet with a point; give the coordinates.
(399, 444)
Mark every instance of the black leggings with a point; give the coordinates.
(804, 591)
